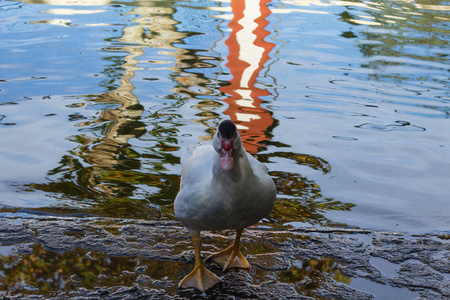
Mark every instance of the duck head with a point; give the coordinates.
(227, 142)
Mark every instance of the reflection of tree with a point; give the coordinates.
(107, 175)
(312, 273)
(104, 167)
(396, 29)
(48, 271)
(300, 199)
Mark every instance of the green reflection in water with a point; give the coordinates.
(398, 31)
(299, 198)
(46, 271)
(106, 175)
(309, 275)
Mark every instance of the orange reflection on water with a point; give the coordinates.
(248, 52)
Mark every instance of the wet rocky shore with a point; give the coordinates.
(103, 258)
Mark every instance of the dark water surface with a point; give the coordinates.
(346, 102)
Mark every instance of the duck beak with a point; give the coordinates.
(227, 155)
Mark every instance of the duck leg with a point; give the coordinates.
(200, 278)
(231, 257)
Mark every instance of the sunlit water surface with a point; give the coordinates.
(346, 102)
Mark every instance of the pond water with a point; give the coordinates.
(346, 102)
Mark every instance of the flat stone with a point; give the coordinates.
(129, 259)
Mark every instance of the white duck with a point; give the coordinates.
(222, 187)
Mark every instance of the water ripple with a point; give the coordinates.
(398, 126)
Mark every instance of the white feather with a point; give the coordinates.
(212, 199)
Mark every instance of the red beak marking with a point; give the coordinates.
(227, 155)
